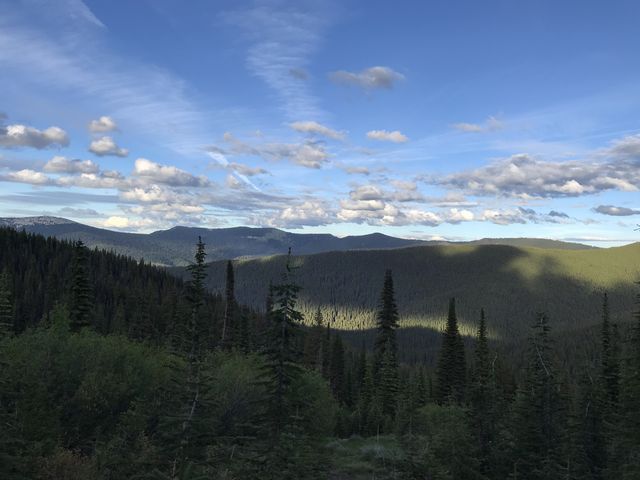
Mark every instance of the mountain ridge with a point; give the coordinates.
(174, 246)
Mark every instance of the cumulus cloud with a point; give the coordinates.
(60, 164)
(616, 211)
(308, 213)
(385, 136)
(106, 146)
(27, 176)
(307, 154)
(374, 205)
(369, 79)
(166, 174)
(102, 125)
(525, 176)
(523, 215)
(318, 129)
(15, 136)
(491, 124)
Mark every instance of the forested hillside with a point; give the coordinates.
(129, 296)
(188, 386)
(512, 284)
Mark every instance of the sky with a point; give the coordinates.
(448, 120)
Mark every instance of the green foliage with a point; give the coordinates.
(81, 302)
(6, 305)
(442, 447)
(452, 368)
(282, 352)
(513, 283)
(539, 421)
(75, 391)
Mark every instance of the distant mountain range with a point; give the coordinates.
(175, 246)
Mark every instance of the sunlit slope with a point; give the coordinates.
(511, 283)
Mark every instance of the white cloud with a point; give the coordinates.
(307, 154)
(60, 164)
(168, 175)
(27, 176)
(309, 213)
(102, 125)
(491, 124)
(369, 79)
(317, 128)
(616, 211)
(526, 177)
(386, 136)
(12, 136)
(106, 146)
(355, 170)
(243, 169)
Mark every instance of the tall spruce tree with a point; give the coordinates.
(388, 383)
(451, 368)
(385, 355)
(81, 302)
(6, 305)
(337, 369)
(387, 324)
(625, 460)
(610, 363)
(313, 343)
(229, 321)
(282, 356)
(539, 414)
(482, 399)
(184, 428)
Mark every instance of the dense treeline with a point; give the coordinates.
(512, 283)
(223, 393)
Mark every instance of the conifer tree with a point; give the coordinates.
(313, 343)
(281, 352)
(388, 382)
(451, 368)
(229, 327)
(482, 398)
(186, 439)
(81, 306)
(625, 463)
(587, 441)
(6, 306)
(539, 421)
(337, 370)
(363, 405)
(610, 366)
(387, 324)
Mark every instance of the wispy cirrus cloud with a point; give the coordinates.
(282, 39)
(153, 101)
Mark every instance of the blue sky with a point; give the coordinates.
(443, 119)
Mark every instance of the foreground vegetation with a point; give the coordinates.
(216, 391)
